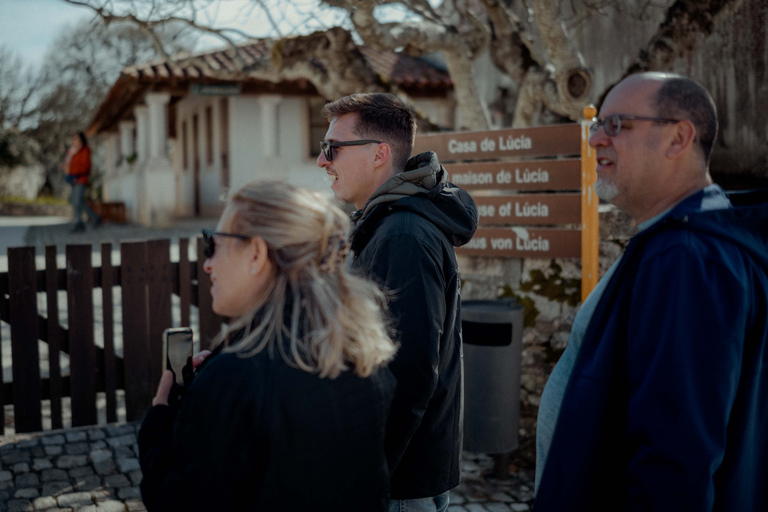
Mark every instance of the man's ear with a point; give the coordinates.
(383, 153)
(683, 139)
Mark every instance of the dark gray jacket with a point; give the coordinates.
(404, 239)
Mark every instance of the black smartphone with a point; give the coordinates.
(177, 348)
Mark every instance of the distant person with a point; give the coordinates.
(408, 221)
(289, 411)
(660, 400)
(77, 167)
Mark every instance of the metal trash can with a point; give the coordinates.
(493, 334)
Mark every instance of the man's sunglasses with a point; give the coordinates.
(209, 247)
(612, 124)
(327, 147)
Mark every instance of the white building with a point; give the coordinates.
(178, 139)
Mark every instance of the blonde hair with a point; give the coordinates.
(333, 320)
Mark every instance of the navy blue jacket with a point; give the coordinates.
(667, 405)
(407, 245)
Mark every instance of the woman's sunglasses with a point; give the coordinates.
(209, 247)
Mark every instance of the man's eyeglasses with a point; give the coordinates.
(209, 247)
(327, 147)
(612, 124)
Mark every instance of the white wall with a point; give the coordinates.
(301, 168)
(291, 162)
(210, 173)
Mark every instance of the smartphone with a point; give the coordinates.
(177, 348)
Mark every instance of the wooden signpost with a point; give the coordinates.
(533, 190)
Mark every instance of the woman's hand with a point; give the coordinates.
(163, 389)
(201, 356)
(167, 379)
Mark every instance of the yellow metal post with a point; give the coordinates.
(590, 223)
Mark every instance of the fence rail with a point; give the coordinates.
(147, 279)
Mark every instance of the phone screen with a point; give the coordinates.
(177, 348)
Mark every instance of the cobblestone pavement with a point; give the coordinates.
(84, 469)
(96, 469)
(479, 492)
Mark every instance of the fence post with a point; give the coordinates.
(185, 281)
(54, 335)
(110, 366)
(82, 352)
(3, 313)
(160, 288)
(590, 220)
(136, 350)
(210, 322)
(22, 291)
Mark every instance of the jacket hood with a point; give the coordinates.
(745, 224)
(423, 188)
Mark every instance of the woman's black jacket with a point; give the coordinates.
(257, 434)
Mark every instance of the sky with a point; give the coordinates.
(28, 27)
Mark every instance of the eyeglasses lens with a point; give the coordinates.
(612, 125)
(327, 150)
(209, 247)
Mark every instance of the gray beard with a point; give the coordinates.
(605, 190)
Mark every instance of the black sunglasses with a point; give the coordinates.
(612, 124)
(327, 147)
(209, 247)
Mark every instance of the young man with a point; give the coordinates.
(408, 221)
(660, 401)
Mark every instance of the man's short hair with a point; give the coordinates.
(680, 97)
(380, 116)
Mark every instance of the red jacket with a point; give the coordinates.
(80, 166)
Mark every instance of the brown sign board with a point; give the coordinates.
(524, 243)
(531, 175)
(529, 209)
(556, 140)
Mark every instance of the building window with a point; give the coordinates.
(317, 126)
(184, 146)
(209, 135)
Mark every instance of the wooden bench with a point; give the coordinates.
(111, 211)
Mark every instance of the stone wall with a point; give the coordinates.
(22, 181)
(550, 291)
(34, 209)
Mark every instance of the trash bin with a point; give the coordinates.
(492, 333)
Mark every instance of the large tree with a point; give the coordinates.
(528, 40)
(18, 88)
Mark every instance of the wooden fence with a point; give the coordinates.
(146, 280)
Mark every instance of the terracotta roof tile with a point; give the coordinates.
(401, 69)
(412, 74)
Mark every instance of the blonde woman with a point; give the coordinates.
(288, 413)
